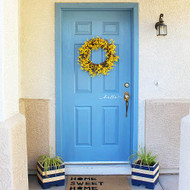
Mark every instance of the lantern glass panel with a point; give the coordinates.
(158, 31)
(162, 30)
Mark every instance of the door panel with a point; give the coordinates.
(94, 126)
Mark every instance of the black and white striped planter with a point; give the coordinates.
(145, 175)
(51, 177)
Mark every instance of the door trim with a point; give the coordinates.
(133, 8)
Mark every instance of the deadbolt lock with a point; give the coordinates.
(126, 85)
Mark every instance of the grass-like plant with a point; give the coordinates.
(49, 162)
(143, 158)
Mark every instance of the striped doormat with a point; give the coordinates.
(97, 183)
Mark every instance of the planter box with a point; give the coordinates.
(51, 177)
(144, 175)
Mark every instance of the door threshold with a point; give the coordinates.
(98, 169)
(122, 169)
(97, 163)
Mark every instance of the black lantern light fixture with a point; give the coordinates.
(161, 28)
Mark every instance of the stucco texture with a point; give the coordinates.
(184, 174)
(5, 158)
(162, 60)
(163, 119)
(9, 57)
(37, 113)
(13, 168)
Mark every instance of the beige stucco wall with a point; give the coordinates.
(13, 153)
(161, 59)
(163, 119)
(37, 115)
(1, 62)
(9, 58)
(184, 174)
(13, 157)
(19, 152)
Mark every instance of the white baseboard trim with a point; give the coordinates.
(169, 171)
(103, 169)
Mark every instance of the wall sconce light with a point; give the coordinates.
(161, 28)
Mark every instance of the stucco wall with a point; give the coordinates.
(9, 59)
(1, 62)
(13, 158)
(13, 155)
(5, 158)
(184, 174)
(163, 118)
(37, 115)
(19, 152)
(161, 59)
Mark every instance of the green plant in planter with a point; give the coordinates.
(48, 162)
(50, 171)
(145, 169)
(144, 158)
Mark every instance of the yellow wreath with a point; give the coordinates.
(95, 44)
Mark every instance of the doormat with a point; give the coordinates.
(97, 183)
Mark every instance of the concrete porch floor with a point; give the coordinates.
(166, 182)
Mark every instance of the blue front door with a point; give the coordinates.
(92, 111)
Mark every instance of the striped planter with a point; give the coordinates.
(144, 175)
(51, 177)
